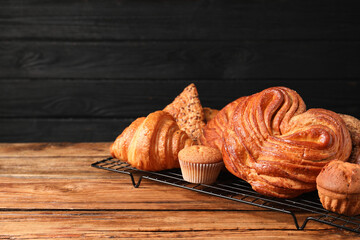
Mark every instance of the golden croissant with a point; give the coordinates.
(151, 143)
(270, 140)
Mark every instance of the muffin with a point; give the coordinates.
(200, 164)
(338, 187)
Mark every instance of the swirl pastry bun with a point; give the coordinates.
(338, 187)
(270, 140)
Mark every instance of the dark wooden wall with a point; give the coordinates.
(76, 70)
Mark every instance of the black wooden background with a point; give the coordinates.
(75, 70)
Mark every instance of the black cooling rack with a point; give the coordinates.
(235, 189)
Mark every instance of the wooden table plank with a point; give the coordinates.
(164, 224)
(45, 193)
(211, 235)
(50, 190)
(100, 149)
(160, 220)
(54, 167)
(37, 182)
(176, 224)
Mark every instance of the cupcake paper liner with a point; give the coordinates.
(199, 172)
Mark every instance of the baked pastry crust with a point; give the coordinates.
(209, 113)
(151, 143)
(188, 112)
(270, 140)
(200, 154)
(353, 125)
(338, 187)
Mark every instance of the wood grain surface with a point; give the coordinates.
(49, 190)
(81, 71)
(181, 59)
(98, 110)
(132, 99)
(180, 19)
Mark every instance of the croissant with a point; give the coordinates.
(151, 143)
(270, 140)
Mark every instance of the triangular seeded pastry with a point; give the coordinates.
(188, 112)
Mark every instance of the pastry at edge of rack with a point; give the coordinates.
(151, 143)
(338, 187)
(353, 125)
(271, 141)
(338, 183)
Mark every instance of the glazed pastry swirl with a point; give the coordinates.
(151, 143)
(272, 142)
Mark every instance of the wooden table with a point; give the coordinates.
(49, 190)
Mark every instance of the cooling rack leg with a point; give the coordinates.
(296, 222)
(305, 222)
(134, 183)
